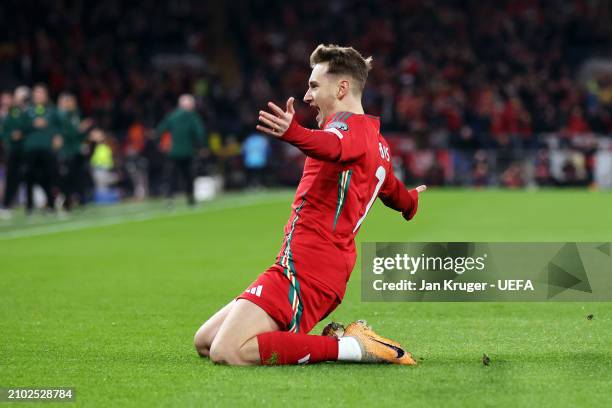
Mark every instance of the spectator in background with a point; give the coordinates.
(513, 176)
(72, 166)
(577, 124)
(481, 171)
(6, 103)
(12, 136)
(187, 134)
(543, 176)
(135, 162)
(255, 151)
(102, 164)
(42, 129)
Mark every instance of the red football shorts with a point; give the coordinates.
(276, 295)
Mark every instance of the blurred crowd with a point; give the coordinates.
(491, 69)
(481, 85)
(482, 72)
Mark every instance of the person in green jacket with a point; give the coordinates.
(187, 136)
(72, 167)
(42, 128)
(12, 135)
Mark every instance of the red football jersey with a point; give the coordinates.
(348, 166)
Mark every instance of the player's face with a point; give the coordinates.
(322, 92)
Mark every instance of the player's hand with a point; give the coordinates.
(276, 123)
(414, 194)
(421, 188)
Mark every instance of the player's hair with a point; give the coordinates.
(343, 61)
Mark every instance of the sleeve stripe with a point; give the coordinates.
(345, 116)
(341, 117)
(344, 181)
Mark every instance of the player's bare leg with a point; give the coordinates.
(206, 333)
(249, 336)
(236, 341)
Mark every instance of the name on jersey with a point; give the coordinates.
(384, 152)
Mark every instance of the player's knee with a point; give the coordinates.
(228, 354)
(201, 344)
(223, 354)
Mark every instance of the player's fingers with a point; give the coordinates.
(271, 117)
(421, 188)
(290, 107)
(279, 123)
(279, 112)
(271, 124)
(266, 130)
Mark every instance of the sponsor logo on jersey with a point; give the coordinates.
(338, 125)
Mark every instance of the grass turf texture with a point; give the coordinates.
(110, 305)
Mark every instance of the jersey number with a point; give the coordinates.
(380, 175)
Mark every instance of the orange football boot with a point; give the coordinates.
(377, 349)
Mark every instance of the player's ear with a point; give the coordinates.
(343, 88)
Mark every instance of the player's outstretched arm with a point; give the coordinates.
(395, 195)
(319, 144)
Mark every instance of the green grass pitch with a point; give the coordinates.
(108, 301)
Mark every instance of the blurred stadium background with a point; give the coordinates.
(489, 94)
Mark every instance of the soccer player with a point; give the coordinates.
(348, 166)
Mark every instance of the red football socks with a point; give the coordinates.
(295, 348)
